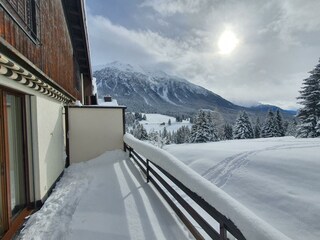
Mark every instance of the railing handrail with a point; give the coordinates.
(242, 222)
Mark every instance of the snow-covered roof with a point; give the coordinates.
(113, 103)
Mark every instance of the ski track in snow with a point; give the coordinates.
(223, 171)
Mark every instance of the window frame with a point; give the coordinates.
(13, 222)
(26, 14)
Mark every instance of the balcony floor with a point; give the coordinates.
(105, 198)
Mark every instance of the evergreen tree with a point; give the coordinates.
(173, 137)
(203, 129)
(165, 136)
(309, 114)
(242, 128)
(228, 135)
(156, 139)
(279, 122)
(140, 132)
(182, 135)
(192, 119)
(178, 118)
(270, 127)
(143, 133)
(144, 117)
(129, 119)
(257, 129)
(138, 116)
(169, 122)
(318, 128)
(285, 127)
(291, 129)
(219, 123)
(170, 138)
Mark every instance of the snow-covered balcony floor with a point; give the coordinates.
(105, 198)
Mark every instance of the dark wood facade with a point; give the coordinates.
(54, 42)
(44, 46)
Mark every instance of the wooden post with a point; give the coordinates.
(223, 232)
(130, 150)
(148, 168)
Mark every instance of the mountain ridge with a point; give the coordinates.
(143, 90)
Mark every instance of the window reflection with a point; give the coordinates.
(16, 161)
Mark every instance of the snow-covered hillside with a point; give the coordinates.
(146, 90)
(277, 178)
(155, 122)
(155, 91)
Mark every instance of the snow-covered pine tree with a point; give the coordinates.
(203, 129)
(156, 139)
(182, 135)
(165, 136)
(291, 129)
(279, 122)
(318, 128)
(269, 128)
(186, 133)
(228, 135)
(174, 137)
(242, 128)
(153, 136)
(219, 123)
(309, 114)
(170, 137)
(138, 116)
(257, 129)
(143, 133)
(285, 127)
(129, 118)
(144, 117)
(140, 132)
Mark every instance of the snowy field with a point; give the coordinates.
(277, 178)
(154, 120)
(105, 198)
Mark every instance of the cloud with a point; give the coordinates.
(142, 46)
(294, 17)
(278, 43)
(171, 7)
(114, 41)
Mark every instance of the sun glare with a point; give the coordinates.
(227, 42)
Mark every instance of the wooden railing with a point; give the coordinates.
(155, 173)
(173, 180)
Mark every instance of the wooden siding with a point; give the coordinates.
(54, 55)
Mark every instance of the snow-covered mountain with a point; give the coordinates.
(155, 91)
(147, 91)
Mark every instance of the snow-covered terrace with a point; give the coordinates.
(108, 198)
(105, 198)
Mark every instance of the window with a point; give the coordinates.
(26, 14)
(14, 193)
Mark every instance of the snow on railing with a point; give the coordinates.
(230, 214)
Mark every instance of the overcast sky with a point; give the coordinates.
(276, 43)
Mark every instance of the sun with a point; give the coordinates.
(228, 41)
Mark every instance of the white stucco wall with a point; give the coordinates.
(50, 134)
(47, 137)
(92, 131)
